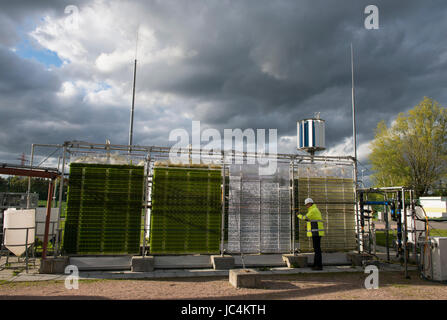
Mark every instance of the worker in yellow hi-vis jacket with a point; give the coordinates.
(315, 230)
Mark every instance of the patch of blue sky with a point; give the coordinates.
(102, 86)
(47, 57)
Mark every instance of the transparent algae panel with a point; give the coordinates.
(104, 209)
(186, 211)
(259, 211)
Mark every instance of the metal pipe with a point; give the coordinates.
(148, 163)
(133, 105)
(293, 209)
(28, 204)
(56, 185)
(360, 222)
(413, 217)
(222, 230)
(26, 250)
(354, 135)
(82, 145)
(61, 192)
(405, 234)
(48, 145)
(47, 219)
(387, 227)
(391, 188)
(260, 216)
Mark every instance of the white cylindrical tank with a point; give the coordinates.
(14, 226)
(310, 134)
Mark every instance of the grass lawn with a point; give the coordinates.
(381, 238)
(438, 233)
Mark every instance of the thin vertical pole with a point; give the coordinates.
(405, 234)
(413, 219)
(293, 208)
(133, 104)
(133, 95)
(56, 185)
(28, 202)
(279, 216)
(354, 132)
(222, 229)
(47, 219)
(146, 201)
(387, 228)
(240, 218)
(260, 216)
(354, 136)
(26, 250)
(61, 192)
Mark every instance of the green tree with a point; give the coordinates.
(413, 151)
(3, 184)
(20, 185)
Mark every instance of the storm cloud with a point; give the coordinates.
(229, 64)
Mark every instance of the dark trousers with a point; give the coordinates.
(318, 260)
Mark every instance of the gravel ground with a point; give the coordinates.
(346, 286)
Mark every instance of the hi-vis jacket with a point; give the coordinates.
(314, 221)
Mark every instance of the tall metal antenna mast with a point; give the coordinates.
(133, 92)
(354, 132)
(354, 136)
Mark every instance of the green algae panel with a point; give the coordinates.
(186, 211)
(104, 209)
(334, 197)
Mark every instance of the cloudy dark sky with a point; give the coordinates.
(230, 64)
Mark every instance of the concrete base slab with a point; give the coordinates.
(222, 262)
(245, 278)
(295, 261)
(358, 259)
(182, 262)
(201, 261)
(142, 264)
(176, 273)
(259, 260)
(102, 262)
(53, 265)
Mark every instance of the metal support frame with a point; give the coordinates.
(405, 234)
(400, 191)
(47, 220)
(61, 192)
(413, 217)
(154, 152)
(292, 188)
(30, 171)
(222, 231)
(387, 228)
(146, 200)
(19, 245)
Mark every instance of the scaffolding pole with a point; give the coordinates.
(59, 213)
(222, 231)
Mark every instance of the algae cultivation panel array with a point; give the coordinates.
(104, 209)
(186, 211)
